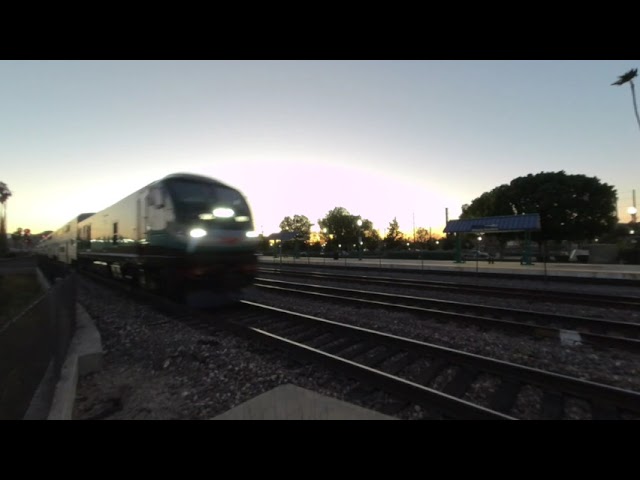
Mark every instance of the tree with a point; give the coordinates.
(448, 242)
(494, 203)
(5, 193)
(628, 78)
(299, 224)
(571, 207)
(394, 235)
(422, 237)
(370, 236)
(336, 225)
(341, 227)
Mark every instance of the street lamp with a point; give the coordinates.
(632, 211)
(359, 223)
(329, 239)
(478, 251)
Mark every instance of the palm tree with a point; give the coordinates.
(5, 193)
(628, 77)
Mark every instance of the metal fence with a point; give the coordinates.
(33, 348)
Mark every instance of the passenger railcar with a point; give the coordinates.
(62, 244)
(182, 235)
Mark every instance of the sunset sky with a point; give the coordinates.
(383, 139)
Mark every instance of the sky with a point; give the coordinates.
(411, 140)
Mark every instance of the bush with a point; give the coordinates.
(629, 256)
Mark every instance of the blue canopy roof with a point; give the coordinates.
(507, 223)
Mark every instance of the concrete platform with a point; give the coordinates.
(290, 402)
(589, 270)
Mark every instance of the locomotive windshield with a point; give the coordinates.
(201, 201)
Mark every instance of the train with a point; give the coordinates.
(186, 236)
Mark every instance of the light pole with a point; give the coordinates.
(632, 211)
(384, 244)
(329, 237)
(323, 252)
(359, 223)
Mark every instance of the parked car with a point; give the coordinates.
(477, 255)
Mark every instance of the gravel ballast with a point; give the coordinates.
(157, 368)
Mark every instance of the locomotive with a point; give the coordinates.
(186, 236)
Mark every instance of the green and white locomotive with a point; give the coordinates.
(184, 235)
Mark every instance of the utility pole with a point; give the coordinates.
(414, 226)
(633, 211)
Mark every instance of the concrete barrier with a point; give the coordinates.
(84, 356)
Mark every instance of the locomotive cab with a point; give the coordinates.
(204, 229)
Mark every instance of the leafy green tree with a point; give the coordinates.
(494, 203)
(299, 224)
(571, 207)
(338, 226)
(370, 236)
(341, 227)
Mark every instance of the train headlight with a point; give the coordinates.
(197, 232)
(223, 212)
(252, 234)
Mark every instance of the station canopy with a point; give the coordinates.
(508, 223)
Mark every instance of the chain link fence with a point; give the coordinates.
(33, 347)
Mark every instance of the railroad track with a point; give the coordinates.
(437, 378)
(564, 328)
(410, 369)
(536, 295)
